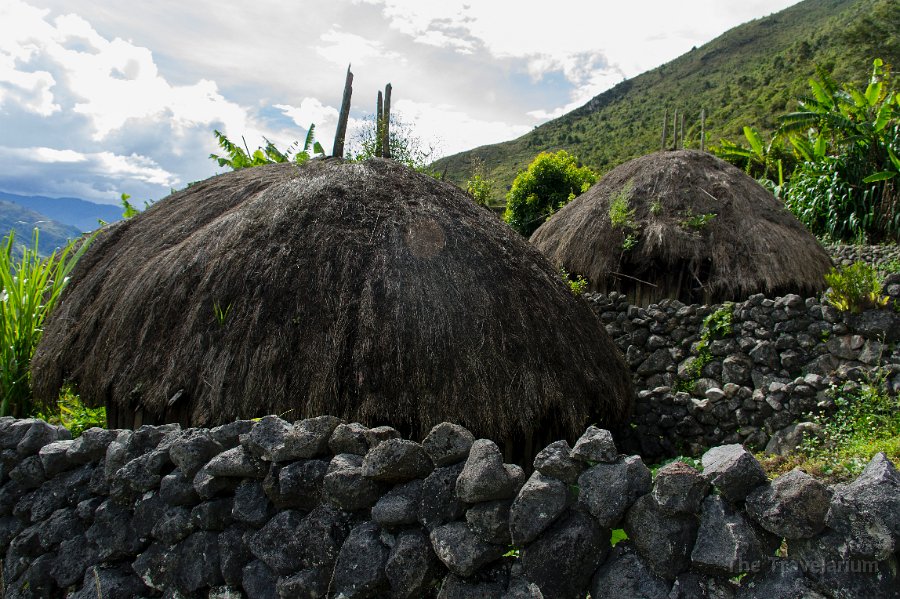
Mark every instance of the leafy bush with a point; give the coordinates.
(73, 414)
(31, 285)
(479, 186)
(855, 288)
(715, 326)
(406, 147)
(578, 285)
(549, 182)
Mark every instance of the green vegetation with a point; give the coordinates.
(715, 326)
(480, 186)
(220, 313)
(237, 158)
(855, 288)
(578, 285)
(31, 285)
(73, 414)
(846, 186)
(696, 221)
(620, 213)
(406, 147)
(866, 421)
(748, 75)
(548, 184)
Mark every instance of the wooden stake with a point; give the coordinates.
(379, 151)
(675, 130)
(341, 132)
(681, 133)
(662, 145)
(386, 126)
(703, 130)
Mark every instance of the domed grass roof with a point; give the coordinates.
(683, 225)
(362, 290)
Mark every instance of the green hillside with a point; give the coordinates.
(747, 76)
(23, 221)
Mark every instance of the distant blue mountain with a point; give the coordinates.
(83, 215)
(23, 222)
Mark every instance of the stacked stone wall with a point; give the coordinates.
(322, 508)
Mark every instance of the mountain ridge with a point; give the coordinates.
(82, 214)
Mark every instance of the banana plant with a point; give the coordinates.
(237, 157)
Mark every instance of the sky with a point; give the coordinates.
(103, 97)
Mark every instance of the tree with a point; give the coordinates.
(480, 186)
(548, 184)
(846, 188)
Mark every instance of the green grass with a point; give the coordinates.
(866, 421)
(73, 414)
(30, 285)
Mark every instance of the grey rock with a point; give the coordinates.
(359, 571)
(259, 581)
(727, 543)
(412, 565)
(490, 521)
(399, 506)
(175, 489)
(278, 543)
(73, 558)
(396, 461)
(608, 490)
(454, 587)
(54, 457)
(679, 488)
(321, 534)
(461, 550)
(374, 436)
(308, 438)
(658, 361)
(626, 574)
(215, 514)
(251, 505)
(867, 511)
(448, 443)
(266, 440)
(786, 441)
(233, 554)
(595, 445)
(825, 561)
(783, 578)
(192, 450)
(349, 438)
(733, 470)
(484, 477)
(561, 561)
(300, 484)
(664, 540)
(345, 486)
(174, 526)
(697, 585)
(112, 532)
(556, 460)
(793, 506)
(229, 435)
(114, 583)
(29, 473)
(156, 567)
(882, 325)
(736, 368)
(236, 462)
(540, 501)
(311, 583)
(38, 434)
(198, 562)
(519, 588)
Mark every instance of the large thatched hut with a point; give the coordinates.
(362, 290)
(683, 225)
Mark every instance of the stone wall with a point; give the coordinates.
(773, 369)
(320, 508)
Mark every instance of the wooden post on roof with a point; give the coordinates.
(675, 130)
(379, 127)
(681, 133)
(703, 130)
(386, 125)
(662, 145)
(344, 116)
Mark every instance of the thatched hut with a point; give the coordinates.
(362, 290)
(683, 225)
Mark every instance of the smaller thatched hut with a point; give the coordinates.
(683, 225)
(361, 290)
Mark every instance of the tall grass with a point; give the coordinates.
(31, 285)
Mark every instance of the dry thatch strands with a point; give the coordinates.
(362, 290)
(683, 225)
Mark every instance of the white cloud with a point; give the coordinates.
(342, 49)
(312, 112)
